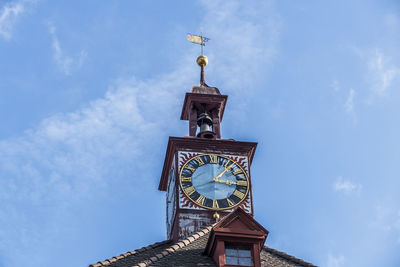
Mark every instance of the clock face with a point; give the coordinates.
(214, 182)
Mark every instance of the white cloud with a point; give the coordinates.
(65, 63)
(241, 26)
(387, 220)
(349, 104)
(73, 158)
(335, 85)
(8, 15)
(345, 186)
(335, 261)
(382, 73)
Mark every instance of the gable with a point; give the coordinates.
(240, 222)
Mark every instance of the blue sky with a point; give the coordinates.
(90, 92)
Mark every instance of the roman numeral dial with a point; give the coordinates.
(215, 182)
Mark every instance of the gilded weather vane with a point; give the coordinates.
(202, 60)
(198, 39)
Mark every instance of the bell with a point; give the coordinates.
(204, 122)
(205, 127)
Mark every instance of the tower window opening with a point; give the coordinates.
(204, 121)
(238, 255)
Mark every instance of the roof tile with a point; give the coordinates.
(175, 247)
(164, 253)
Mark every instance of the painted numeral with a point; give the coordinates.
(200, 200)
(242, 183)
(215, 204)
(191, 169)
(213, 159)
(189, 190)
(238, 194)
(237, 172)
(230, 203)
(199, 160)
(186, 179)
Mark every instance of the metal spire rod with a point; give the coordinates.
(202, 60)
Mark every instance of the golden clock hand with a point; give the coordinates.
(225, 170)
(228, 182)
(229, 167)
(219, 175)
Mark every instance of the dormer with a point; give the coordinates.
(237, 240)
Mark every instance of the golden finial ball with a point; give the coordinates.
(202, 60)
(216, 216)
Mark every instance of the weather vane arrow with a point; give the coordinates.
(197, 39)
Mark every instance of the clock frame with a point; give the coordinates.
(236, 183)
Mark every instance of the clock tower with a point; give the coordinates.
(205, 176)
(207, 179)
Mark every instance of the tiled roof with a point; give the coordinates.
(189, 252)
(156, 254)
(271, 257)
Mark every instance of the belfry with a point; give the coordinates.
(209, 204)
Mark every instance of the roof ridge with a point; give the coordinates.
(288, 257)
(113, 259)
(172, 249)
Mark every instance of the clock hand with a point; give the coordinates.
(228, 182)
(219, 175)
(225, 170)
(229, 167)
